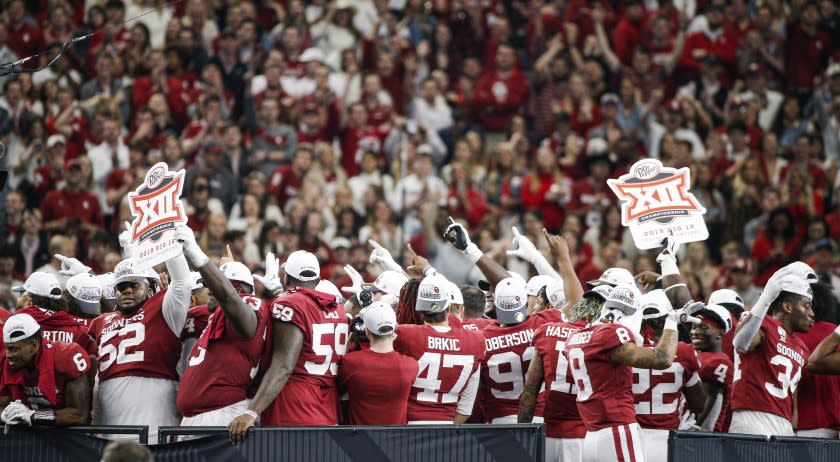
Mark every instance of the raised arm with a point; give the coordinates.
(708, 417)
(571, 284)
(533, 382)
(748, 335)
(826, 359)
(467, 398)
(287, 343)
(457, 235)
(662, 356)
(528, 252)
(241, 315)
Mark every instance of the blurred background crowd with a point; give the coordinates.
(320, 124)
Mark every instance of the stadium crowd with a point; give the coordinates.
(340, 135)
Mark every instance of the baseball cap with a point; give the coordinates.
(303, 266)
(718, 314)
(455, 296)
(433, 294)
(602, 292)
(390, 282)
(86, 289)
(726, 297)
(803, 270)
(106, 281)
(740, 264)
(555, 294)
(19, 327)
(327, 287)
(311, 54)
(625, 298)
(654, 304)
(196, 280)
(536, 283)
(609, 98)
(796, 285)
(518, 277)
(832, 70)
(380, 318)
(613, 277)
(235, 271)
(340, 243)
(56, 139)
(596, 147)
(510, 298)
(42, 284)
(124, 272)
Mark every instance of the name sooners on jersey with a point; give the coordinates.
(139, 344)
(562, 419)
(222, 374)
(605, 387)
(766, 377)
(446, 361)
(657, 392)
(509, 353)
(717, 367)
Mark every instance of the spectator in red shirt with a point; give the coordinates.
(806, 49)
(73, 207)
(776, 246)
(24, 39)
(500, 94)
(464, 199)
(547, 189)
(286, 180)
(713, 38)
(591, 193)
(198, 200)
(628, 32)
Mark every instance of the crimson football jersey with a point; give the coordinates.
(59, 326)
(605, 387)
(310, 396)
(478, 323)
(657, 392)
(378, 385)
(509, 354)
(221, 374)
(446, 361)
(766, 377)
(68, 361)
(197, 319)
(717, 367)
(140, 344)
(562, 419)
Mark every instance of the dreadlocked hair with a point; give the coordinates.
(587, 309)
(406, 314)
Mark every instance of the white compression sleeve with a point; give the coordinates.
(176, 301)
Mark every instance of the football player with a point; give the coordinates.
(42, 299)
(716, 369)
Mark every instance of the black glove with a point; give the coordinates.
(457, 235)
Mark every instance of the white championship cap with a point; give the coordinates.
(106, 281)
(555, 293)
(797, 285)
(86, 289)
(235, 271)
(303, 266)
(613, 277)
(718, 314)
(380, 318)
(390, 282)
(536, 283)
(455, 295)
(327, 287)
(510, 298)
(803, 270)
(726, 297)
(124, 272)
(19, 327)
(196, 281)
(433, 294)
(655, 304)
(42, 284)
(625, 298)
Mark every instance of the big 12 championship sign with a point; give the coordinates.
(656, 203)
(156, 207)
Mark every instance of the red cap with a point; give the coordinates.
(740, 264)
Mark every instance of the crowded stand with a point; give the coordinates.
(404, 212)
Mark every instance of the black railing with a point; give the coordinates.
(142, 431)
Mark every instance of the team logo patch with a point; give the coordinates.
(656, 203)
(157, 203)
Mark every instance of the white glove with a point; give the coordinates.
(271, 280)
(684, 314)
(668, 257)
(382, 257)
(17, 413)
(356, 278)
(688, 422)
(125, 241)
(192, 251)
(526, 249)
(71, 266)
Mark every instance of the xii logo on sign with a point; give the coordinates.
(652, 192)
(156, 204)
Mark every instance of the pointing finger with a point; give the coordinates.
(515, 231)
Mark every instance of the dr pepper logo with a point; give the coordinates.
(156, 203)
(653, 192)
